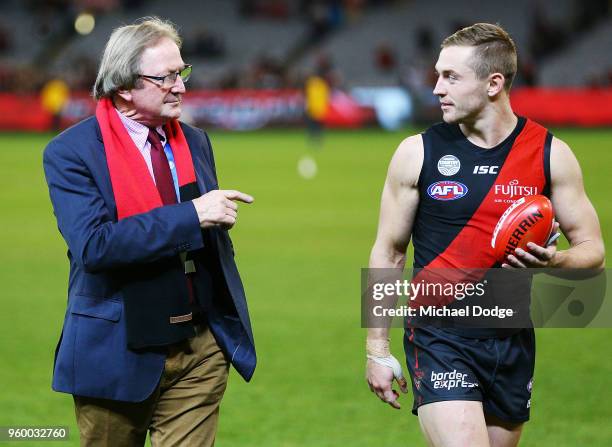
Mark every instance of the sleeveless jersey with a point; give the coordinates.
(464, 189)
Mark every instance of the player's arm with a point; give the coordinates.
(574, 212)
(576, 216)
(399, 203)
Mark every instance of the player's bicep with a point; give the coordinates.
(399, 202)
(573, 209)
(397, 212)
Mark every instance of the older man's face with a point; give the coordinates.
(152, 102)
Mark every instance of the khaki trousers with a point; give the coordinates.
(182, 411)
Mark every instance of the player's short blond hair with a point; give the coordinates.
(120, 64)
(494, 52)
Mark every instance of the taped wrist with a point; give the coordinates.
(391, 362)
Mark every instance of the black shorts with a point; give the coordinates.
(495, 371)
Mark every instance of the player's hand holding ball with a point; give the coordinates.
(526, 234)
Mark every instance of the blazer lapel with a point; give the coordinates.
(105, 185)
(205, 176)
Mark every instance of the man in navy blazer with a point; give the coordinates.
(156, 308)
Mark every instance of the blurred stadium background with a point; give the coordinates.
(300, 247)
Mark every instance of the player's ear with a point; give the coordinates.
(496, 84)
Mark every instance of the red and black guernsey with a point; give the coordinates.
(464, 189)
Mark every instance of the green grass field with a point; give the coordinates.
(300, 248)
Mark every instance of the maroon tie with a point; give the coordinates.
(165, 185)
(161, 169)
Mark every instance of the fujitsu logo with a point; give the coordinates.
(513, 189)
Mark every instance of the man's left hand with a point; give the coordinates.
(536, 257)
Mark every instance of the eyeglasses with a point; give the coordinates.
(170, 79)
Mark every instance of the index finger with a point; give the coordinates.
(391, 397)
(539, 251)
(237, 195)
(403, 384)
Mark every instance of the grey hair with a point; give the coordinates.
(120, 64)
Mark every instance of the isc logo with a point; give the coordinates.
(485, 169)
(447, 190)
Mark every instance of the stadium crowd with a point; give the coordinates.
(51, 29)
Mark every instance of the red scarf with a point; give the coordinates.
(133, 186)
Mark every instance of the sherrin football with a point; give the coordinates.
(529, 219)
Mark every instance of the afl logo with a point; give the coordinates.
(449, 165)
(447, 190)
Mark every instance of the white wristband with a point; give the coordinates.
(390, 362)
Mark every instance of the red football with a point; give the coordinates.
(529, 219)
